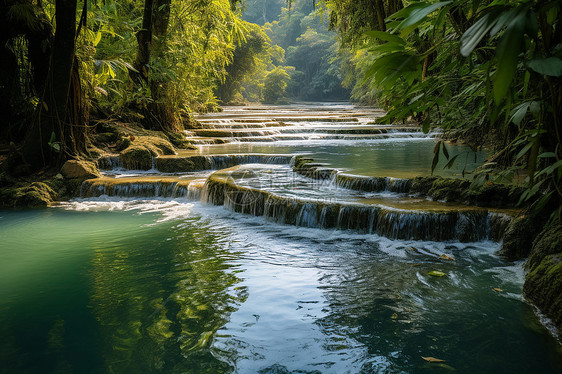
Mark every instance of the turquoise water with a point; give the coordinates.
(175, 287)
(398, 158)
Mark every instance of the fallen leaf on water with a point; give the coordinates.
(436, 273)
(445, 257)
(414, 249)
(432, 359)
(498, 289)
(416, 264)
(394, 316)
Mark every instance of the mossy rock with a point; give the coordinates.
(179, 141)
(175, 164)
(123, 143)
(79, 169)
(422, 185)
(448, 189)
(138, 155)
(494, 195)
(543, 282)
(37, 195)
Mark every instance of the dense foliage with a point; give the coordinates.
(63, 60)
(488, 70)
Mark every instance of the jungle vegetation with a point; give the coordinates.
(488, 72)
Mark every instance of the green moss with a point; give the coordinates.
(421, 185)
(37, 194)
(448, 189)
(136, 158)
(179, 141)
(548, 242)
(543, 282)
(123, 143)
(139, 154)
(175, 164)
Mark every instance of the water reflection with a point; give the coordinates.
(218, 292)
(160, 303)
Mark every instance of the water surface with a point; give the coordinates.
(171, 286)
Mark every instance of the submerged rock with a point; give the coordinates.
(79, 169)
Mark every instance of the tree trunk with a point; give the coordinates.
(152, 45)
(52, 115)
(144, 38)
(381, 14)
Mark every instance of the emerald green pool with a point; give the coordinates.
(178, 287)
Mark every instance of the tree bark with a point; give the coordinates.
(52, 112)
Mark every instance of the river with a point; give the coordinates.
(157, 273)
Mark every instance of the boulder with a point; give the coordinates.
(79, 169)
(543, 281)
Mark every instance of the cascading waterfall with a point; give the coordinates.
(469, 225)
(164, 189)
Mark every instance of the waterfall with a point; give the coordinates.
(469, 225)
(134, 188)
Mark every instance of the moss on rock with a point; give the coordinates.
(138, 155)
(137, 158)
(79, 169)
(37, 194)
(543, 282)
(179, 141)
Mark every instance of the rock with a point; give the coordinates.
(138, 155)
(518, 239)
(136, 158)
(79, 169)
(37, 194)
(543, 282)
(179, 141)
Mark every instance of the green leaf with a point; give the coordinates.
(549, 170)
(451, 162)
(436, 273)
(519, 113)
(445, 151)
(507, 54)
(386, 36)
(476, 32)
(547, 155)
(524, 151)
(97, 39)
(420, 13)
(56, 147)
(426, 125)
(551, 66)
(435, 157)
(53, 137)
